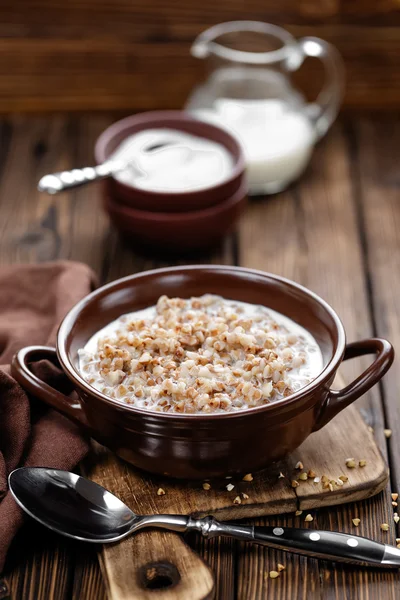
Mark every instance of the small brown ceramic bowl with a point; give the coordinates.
(177, 231)
(197, 445)
(147, 200)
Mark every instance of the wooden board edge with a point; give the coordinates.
(251, 511)
(103, 569)
(337, 497)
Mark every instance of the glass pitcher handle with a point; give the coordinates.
(325, 108)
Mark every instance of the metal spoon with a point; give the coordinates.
(53, 183)
(79, 508)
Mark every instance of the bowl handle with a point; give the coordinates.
(20, 370)
(338, 400)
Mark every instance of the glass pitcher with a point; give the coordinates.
(249, 92)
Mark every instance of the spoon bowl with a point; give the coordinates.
(72, 505)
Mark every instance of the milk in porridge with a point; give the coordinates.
(200, 355)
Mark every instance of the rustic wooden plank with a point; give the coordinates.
(82, 226)
(311, 234)
(45, 18)
(28, 224)
(299, 580)
(35, 227)
(351, 300)
(219, 554)
(39, 565)
(336, 225)
(375, 148)
(122, 259)
(88, 581)
(117, 71)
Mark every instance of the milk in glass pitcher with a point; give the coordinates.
(249, 91)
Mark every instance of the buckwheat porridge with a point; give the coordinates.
(202, 355)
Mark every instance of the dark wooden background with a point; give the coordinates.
(120, 54)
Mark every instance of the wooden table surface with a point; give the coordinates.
(337, 231)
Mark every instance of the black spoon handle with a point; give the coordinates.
(328, 545)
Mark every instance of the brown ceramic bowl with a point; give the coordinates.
(147, 200)
(177, 231)
(204, 446)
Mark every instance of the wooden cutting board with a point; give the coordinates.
(139, 566)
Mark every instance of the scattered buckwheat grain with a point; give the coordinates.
(273, 574)
(309, 518)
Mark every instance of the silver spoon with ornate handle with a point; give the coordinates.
(53, 183)
(83, 510)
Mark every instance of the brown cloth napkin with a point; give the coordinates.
(33, 301)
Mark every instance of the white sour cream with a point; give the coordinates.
(167, 160)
